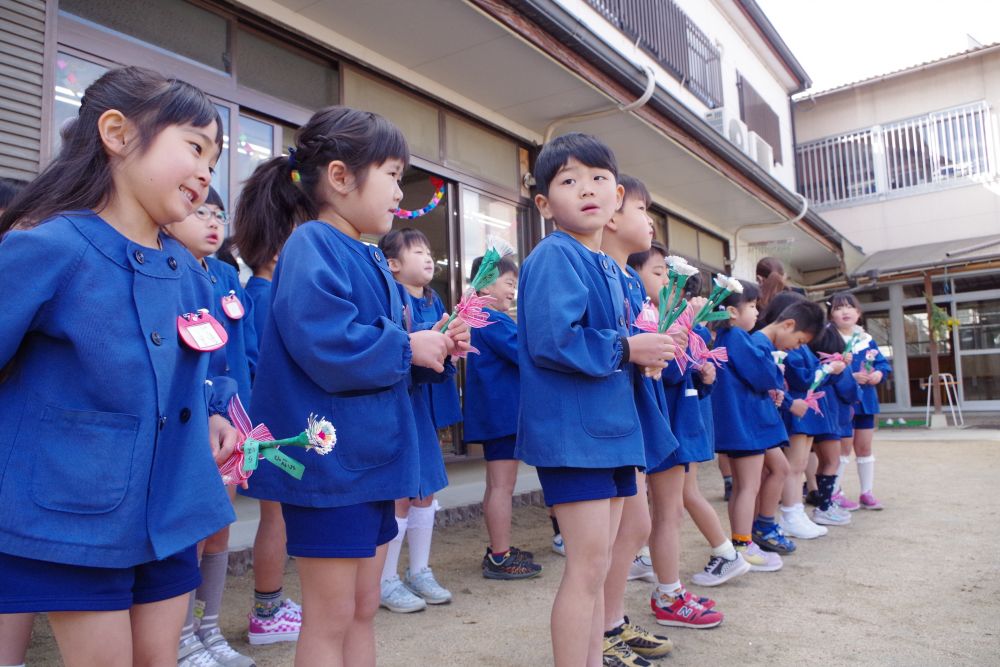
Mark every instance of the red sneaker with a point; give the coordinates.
(683, 612)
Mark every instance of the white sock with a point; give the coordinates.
(789, 511)
(725, 550)
(866, 473)
(844, 460)
(419, 535)
(391, 567)
(673, 590)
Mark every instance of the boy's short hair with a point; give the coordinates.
(213, 199)
(505, 265)
(587, 149)
(637, 260)
(808, 316)
(634, 189)
(225, 252)
(692, 287)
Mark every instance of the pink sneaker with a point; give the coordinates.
(683, 611)
(869, 501)
(284, 626)
(844, 503)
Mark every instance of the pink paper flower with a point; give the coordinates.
(648, 319)
(471, 310)
(812, 400)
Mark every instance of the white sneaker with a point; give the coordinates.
(719, 570)
(796, 524)
(426, 586)
(223, 652)
(831, 517)
(642, 567)
(398, 598)
(558, 546)
(192, 653)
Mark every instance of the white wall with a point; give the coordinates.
(737, 54)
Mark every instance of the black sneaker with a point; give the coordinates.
(510, 567)
(522, 554)
(813, 498)
(727, 483)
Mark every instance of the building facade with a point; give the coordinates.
(905, 166)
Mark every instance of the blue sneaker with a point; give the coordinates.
(773, 540)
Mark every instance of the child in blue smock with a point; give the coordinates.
(869, 368)
(93, 361)
(841, 391)
(272, 618)
(201, 233)
(492, 387)
(798, 368)
(578, 423)
(408, 253)
(630, 231)
(335, 345)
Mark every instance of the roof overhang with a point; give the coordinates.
(951, 256)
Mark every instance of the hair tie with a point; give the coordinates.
(296, 176)
(291, 157)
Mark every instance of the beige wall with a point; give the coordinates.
(960, 212)
(911, 94)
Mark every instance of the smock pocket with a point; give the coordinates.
(604, 405)
(369, 428)
(81, 461)
(761, 412)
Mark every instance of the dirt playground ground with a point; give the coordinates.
(915, 584)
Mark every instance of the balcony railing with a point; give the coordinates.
(678, 45)
(904, 157)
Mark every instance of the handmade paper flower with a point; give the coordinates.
(681, 266)
(321, 434)
(721, 282)
(648, 318)
(734, 285)
(471, 310)
(779, 357)
(812, 400)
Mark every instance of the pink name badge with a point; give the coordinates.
(200, 331)
(232, 307)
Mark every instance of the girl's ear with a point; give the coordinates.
(733, 312)
(340, 178)
(115, 131)
(394, 264)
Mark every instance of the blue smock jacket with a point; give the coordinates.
(442, 396)
(577, 405)
(800, 371)
(259, 291)
(868, 404)
(240, 359)
(335, 346)
(104, 454)
(492, 383)
(845, 394)
(745, 416)
(705, 393)
(650, 400)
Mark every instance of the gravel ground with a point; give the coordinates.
(915, 584)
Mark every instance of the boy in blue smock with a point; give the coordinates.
(492, 389)
(578, 424)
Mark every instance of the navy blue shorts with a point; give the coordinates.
(743, 453)
(826, 437)
(353, 531)
(500, 449)
(864, 421)
(671, 461)
(574, 485)
(29, 585)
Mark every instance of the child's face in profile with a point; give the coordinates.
(654, 276)
(504, 290)
(200, 232)
(581, 199)
(414, 266)
(744, 316)
(633, 225)
(788, 338)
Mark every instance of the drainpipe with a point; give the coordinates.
(620, 108)
(764, 225)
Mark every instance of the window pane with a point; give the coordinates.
(918, 359)
(979, 325)
(482, 216)
(981, 377)
(172, 24)
(220, 180)
(659, 226)
(254, 144)
(73, 75)
(683, 239)
(481, 153)
(711, 251)
(877, 324)
(272, 69)
(417, 120)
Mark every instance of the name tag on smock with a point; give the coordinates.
(200, 331)
(232, 307)
(691, 392)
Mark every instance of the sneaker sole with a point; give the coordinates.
(764, 546)
(732, 574)
(402, 610)
(506, 576)
(272, 638)
(765, 568)
(682, 624)
(648, 576)
(831, 522)
(873, 508)
(654, 653)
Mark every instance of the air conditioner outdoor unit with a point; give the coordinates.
(737, 133)
(761, 152)
(731, 128)
(716, 118)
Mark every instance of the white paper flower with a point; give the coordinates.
(734, 286)
(722, 281)
(779, 357)
(501, 246)
(681, 267)
(826, 369)
(819, 374)
(322, 436)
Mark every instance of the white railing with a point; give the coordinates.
(900, 158)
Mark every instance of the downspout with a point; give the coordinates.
(620, 108)
(765, 225)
